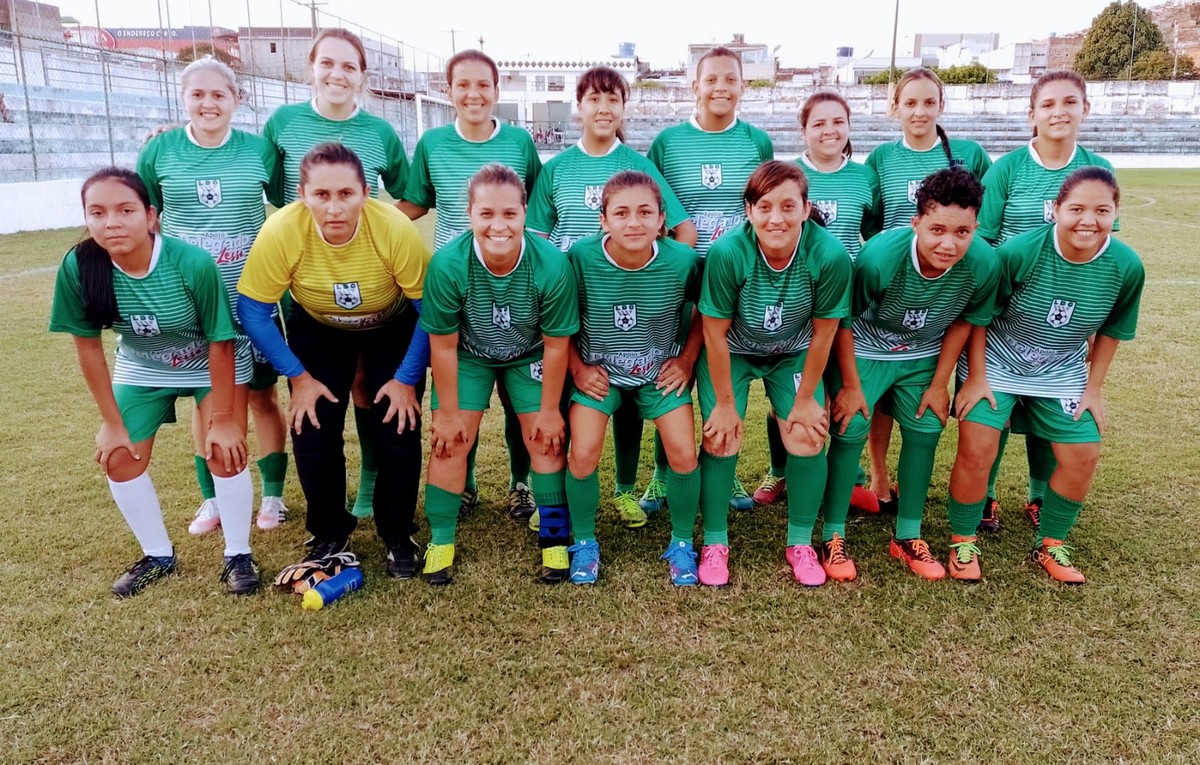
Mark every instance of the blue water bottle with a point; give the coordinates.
(332, 589)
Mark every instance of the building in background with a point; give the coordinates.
(37, 20)
(758, 62)
(541, 93)
(930, 46)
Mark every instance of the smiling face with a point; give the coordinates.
(1058, 109)
(918, 106)
(778, 218)
(718, 87)
(497, 219)
(473, 91)
(210, 100)
(1085, 219)
(632, 218)
(116, 217)
(334, 196)
(601, 114)
(943, 234)
(827, 131)
(337, 72)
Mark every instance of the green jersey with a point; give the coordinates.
(294, 129)
(167, 318)
(565, 204)
(708, 172)
(506, 316)
(1019, 191)
(848, 199)
(902, 169)
(630, 320)
(1047, 307)
(901, 314)
(444, 161)
(772, 310)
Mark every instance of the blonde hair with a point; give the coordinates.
(210, 64)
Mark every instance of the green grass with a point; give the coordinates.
(497, 668)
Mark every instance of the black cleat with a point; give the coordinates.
(241, 575)
(991, 516)
(403, 559)
(145, 571)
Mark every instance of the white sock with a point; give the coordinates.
(235, 504)
(138, 502)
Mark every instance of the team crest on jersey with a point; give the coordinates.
(710, 175)
(1069, 406)
(144, 325)
(209, 192)
(591, 196)
(625, 317)
(827, 208)
(535, 370)
(501, 316)
(773, 318)
(347, 295)
(1060, 313)
(1048, 210)
(913, 188)
(915, 319)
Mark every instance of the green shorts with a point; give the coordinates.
(477, 378)
(145, 410)
(781, 377)
(902, 382)
(650, 402)
(1050, 418)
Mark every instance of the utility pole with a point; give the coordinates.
(481, 43)
(312, 11)
(892, 67)
(453, 47)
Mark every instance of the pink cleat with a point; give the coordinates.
(714, 565)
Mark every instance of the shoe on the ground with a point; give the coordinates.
(535, 520)
(739, 499)
(864, 500)
(681, 562)
(632, 514)
(520, 502)
(403, 559)
(1033, 511)
(438, 562)
(964, 560)
(585, 562)
(836, 560)
(770, 490)
(468, 503)
(887, 506)
(991, 516)
(556, 565)
(207, 518)
(149, 569)
(241, 575)
(1054, 558)
(271, 513)
(915, 554)
(654, 498)
(323, 548)
(805, 567)
(713, 570)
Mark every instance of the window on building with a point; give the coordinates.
(539, 83)
(272, 47)
(556, 83)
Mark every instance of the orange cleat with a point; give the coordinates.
(1033, 511)
(864, 500)
(838, 564)
(915, 554)
(1053, 556)
(964, 559)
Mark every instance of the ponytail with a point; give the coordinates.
(945, 144)
(96, 279)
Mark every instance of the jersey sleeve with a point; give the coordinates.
(672, 207)
(276, 194)
(1014, 265)
(203, 281)
(395, 175)
(981, 306)
(867, 284)
(272, 260)
(147, 169)
(1121, 323)
(441, 307)
(418, 189)
(541, 214)
(872, 220)
(533, 163)
(979, 162)
(724, 277)
(834, 275)
(273, 167)
(766, 150)
(995, 197)
(655, 154)
(66, 310)
(559, 297)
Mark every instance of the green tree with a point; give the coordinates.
(1160, 65)
(1105, 54)
(971, 74)
(882, 77)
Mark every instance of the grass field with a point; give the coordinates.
(497, 668)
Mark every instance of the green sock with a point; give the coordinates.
(441, 510)
(518, 455)
(843, 462)
(472, 484)
(917, 452)
(806, 477)
(550, 489)
(273, 469)
(661, 466)
(583, 497)
(860, 479)
(1058, 516)
(1040, 454)
(716, 476)
(627, 447)
(992, 476)
(683, 498)
(779, 455)
(364, 501)
(965, 518)
(208, 490)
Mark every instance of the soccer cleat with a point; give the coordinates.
(271, 513)
(403, 558)
(1055, 559)
(324, 548)
(468, 503)
(655, 496)
(739, 499)
(556, 565)
(149, 569)
(991, 516)
(520, 502)
(915, 554)
(964, 559)
(864, 500)
(207, 519)
(836, 561)
(585, 562)
(806, 569)
(1033, 511)
(714, 565)
(632, 515)
(770, 490)
(681, 562)
(535, 521)
(438, 561)
(241, 575)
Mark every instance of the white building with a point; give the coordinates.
(541, 93)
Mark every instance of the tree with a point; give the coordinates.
(202, 49)
(1160, 65)
(1105, 54)
(971, 74)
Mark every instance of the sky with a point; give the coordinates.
(808, 33)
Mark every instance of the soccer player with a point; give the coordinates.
(1019, 194)
(774, 290)
(445, 160)
(207, 181)
(563, 207)
(917, 293)
(516, 326)
(175, 337)
(707, 161)
(355, 268)
(1060, 284)
(633, 290)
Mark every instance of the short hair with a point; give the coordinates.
(720, 52)
(471, 55)
(826, 97)
(337, 33)
(950, 186)
(494, 174)
(332, 153)
(769, 176)
(1089, 173)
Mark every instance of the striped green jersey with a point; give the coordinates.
(1019, 191)
(630, 320)
(708, 172)
(505, 317)
(848, 199)
(444, 161)
(295, 129)
(901, 314)
(772, 311)
(1047, 307)
(902, 169)
(565, 204)
(168, 317)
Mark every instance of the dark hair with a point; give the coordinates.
(924, 73)
(633, 179)
(494, 174)
(826, 97)
(774, 173)
(331, 154)
(337, 33)
(471, 55)
(95, 264)
(951, 186)
(1090, 173)
(720, 52)
(603, 79)
(1055, 76)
